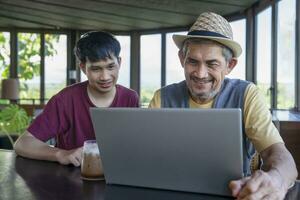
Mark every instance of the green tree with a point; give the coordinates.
(28, 58)
(4, 55)
(28, 53)
(146, 95)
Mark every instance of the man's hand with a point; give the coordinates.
(272, 182)
(66, 157)
(261, 185)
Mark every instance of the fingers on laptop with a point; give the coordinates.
(237, 185)
(258, 186)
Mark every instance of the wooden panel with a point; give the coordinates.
(125, 11)
(41, 20)
(7, 21)
(58, 18)
(30, 109)
(115, 15)
(70, 15)
(290, 132)
(190, 7)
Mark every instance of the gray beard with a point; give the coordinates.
(204, 96)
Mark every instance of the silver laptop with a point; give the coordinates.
(192, 150)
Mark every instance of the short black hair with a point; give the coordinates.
(97, 45)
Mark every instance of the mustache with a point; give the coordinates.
(200, 80)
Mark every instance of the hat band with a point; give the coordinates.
(207, 33)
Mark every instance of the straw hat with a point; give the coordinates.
(213, 27)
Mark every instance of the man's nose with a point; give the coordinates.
(202, 71)
(104, 75)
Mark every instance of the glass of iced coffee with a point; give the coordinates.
(91, 165)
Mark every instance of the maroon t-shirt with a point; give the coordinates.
(66, 116)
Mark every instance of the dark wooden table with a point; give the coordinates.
(288, 124)
(27, 179)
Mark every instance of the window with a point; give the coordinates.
(239, 35)
(29, 60)
(55, 64)
(150, 66)
(124, 74)
(4, 59)
(263, 61)
(286, 54)
(4, 54)
(174, 70)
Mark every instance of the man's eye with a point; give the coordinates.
(111, 67)
(193, 62)
(212, 65)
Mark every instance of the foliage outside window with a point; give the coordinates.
(55, 64)
(29, 45)
(150, 67)
(4, 58)
(286, 54)
(4, 54)
(263, 49)
(29, 59)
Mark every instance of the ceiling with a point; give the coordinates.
(111, 15)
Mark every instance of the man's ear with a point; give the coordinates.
(82, 67)
(231, 64)
(181, 57)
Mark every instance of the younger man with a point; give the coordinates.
(66, 116)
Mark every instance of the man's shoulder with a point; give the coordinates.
(237, 81)
(70, 93)
(175, 90)
(237, 85)
(122, 90)
(174, 86)
(126, 97)
(242, 85)
(73, 89)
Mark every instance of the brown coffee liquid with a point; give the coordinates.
(91, 166)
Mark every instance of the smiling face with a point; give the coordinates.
(205, 68)
(103, 74)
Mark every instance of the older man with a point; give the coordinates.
(207, 54)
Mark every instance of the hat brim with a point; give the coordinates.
(234, 46)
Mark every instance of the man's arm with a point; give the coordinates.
(29, 146)
(272, 182)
